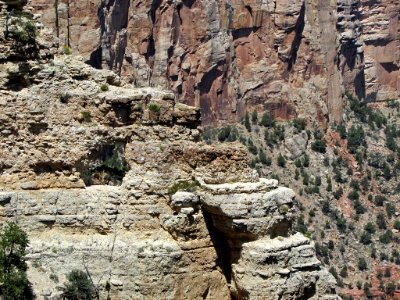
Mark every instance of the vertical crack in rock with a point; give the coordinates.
(57, 25)
(151, 50)
(221, 245)
(298, 37)
(113, 17)
(68, 42)
(351, 51)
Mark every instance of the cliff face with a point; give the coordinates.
(114, 180)
(294, 58)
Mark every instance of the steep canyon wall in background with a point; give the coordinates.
(294, 58)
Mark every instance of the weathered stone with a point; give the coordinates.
(294, 58)
(297, 145)
(87, 164)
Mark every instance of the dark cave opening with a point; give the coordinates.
(106, 165)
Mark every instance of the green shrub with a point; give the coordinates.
(356, 138)
(397, 225)
(281, 161)
(227, 133)
(354, 184)
(342, 131)
(299, 124)
(254, 116)
(154, 107)
(366, 238)
(279, 131)
(390, 209)
(387, 237)
(362, 264)
(64, 98)
(381, 221)
(390, 288)
(365, 184)
(267, 120)
(326, 209)
(333, 271)
(359, 208)
(104, 87)
(321, 250)
(341, 224)
(387, 174)
(264, 159)
(22, 27)
(353, 195)
(87, 177)
(370, 228)
(252, 148)
(338, 193)
(306, 178)
(301, 226)
(343, 272)
(188, 185)
(319, 146)
(224, 133)
(247, 122)
(67, 50)
(79, 286)
(114, 163)
(306, 161)
(380, 200)
(86, 116)
(329, 184)
(284, 209)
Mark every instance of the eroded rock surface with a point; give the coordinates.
(294, 58)
(114, 180)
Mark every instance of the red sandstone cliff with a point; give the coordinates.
(295, 58)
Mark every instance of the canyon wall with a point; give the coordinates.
(115, 181)
(294, 58)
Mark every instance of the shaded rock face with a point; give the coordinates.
(114, 180)
(294, 58)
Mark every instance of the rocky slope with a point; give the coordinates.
(115, 181)
(293, 58)
(347, 179)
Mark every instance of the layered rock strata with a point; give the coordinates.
(115, 181)
(293, 58)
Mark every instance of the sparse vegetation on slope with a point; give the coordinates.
(346, 177)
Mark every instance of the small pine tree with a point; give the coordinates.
(281, 161)
(79, 286)
(247, 122)
(362, 264)
(254, 116)
(267, 120)
(13, 278)
(343, 272)
(329, 184)
(381, 221)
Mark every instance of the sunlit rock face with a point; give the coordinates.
(294, 58)
(114, 180)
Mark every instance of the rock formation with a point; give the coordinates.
(294, 58)
(114, 180)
